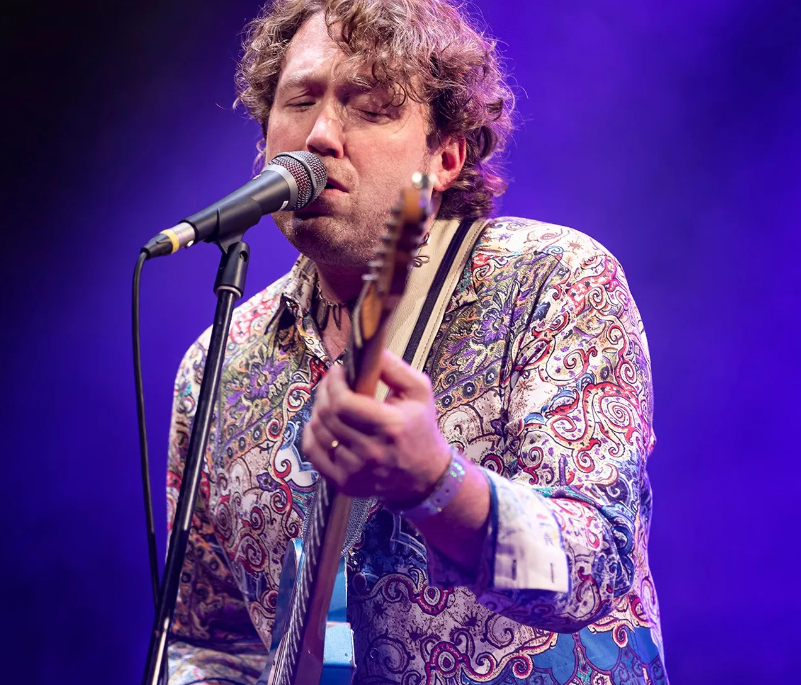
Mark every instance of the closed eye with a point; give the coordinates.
(373, 115)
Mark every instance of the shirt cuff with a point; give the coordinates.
(528, 553)
(522, 550)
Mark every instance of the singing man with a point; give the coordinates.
(537, 384)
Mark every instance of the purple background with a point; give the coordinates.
(668, 131)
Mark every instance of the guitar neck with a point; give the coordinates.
(302, 649)
(326, 527)
(300, 660)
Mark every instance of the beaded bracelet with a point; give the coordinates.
(444, 491)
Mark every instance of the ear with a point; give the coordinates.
(447, 163)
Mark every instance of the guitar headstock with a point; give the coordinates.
(389, 269)
(386, 281)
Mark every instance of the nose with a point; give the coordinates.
(325, 138)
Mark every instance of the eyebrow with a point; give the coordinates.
(309, 79)
(304, 78)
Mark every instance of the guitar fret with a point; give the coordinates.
(312, 547)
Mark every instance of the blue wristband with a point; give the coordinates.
(444, 491)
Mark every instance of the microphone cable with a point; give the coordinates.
(140, 415)
(143, 452)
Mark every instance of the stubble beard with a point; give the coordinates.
(340, 241)
(335, 241)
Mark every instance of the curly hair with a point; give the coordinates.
(426, 50)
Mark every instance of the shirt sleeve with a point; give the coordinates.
(212, 637)
(564, 528)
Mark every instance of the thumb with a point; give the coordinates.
(402, 380)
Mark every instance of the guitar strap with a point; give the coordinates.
(419, 314)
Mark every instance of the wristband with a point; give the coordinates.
(444, 491)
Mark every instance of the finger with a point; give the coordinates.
(322, 395)
(334, 380)
(355, 480)
(319, 456)
(402, 379)
(336, 419)
(333, 394)
(337, 447)
(322, 435)
(329, 427)
(346, 462)
(338, 406)
(337, 465)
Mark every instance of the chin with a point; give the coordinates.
(325, 240)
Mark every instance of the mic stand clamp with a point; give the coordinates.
(229, 287)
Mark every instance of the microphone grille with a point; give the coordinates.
(309, 173)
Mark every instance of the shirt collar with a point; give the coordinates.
(299, 287)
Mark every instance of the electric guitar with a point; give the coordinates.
(312, 640)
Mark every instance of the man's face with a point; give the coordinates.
(370, 149)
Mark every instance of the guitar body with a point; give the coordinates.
(339, 661)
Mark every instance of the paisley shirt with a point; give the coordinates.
(541, 376)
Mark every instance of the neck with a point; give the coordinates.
(338, 284)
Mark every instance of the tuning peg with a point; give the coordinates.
(421, 181)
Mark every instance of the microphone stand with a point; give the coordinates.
(229, 287)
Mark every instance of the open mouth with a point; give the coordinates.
(333, 184)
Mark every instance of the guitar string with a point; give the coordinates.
(288, 655)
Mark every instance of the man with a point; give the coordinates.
(537, 383)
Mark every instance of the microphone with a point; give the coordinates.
(290, 181)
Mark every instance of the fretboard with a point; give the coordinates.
(308, 582)
(300, 656)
